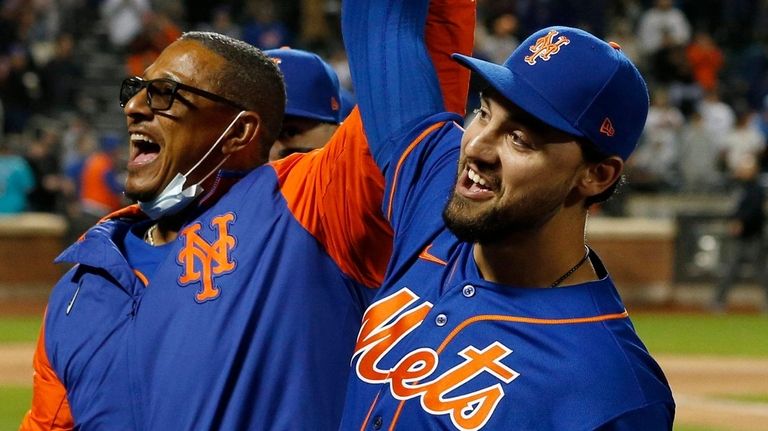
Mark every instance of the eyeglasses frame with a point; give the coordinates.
(175, 87)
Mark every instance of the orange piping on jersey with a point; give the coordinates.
(450, 29)
(400, 162)
(396, 417)
(335, 193)
(129, 211)
(142, 277)
(426, 255)
(50, 409)
(531, 320)
(370, 410)
(515, 319)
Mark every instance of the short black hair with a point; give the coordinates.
(248, 78)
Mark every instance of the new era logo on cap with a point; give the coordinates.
(574, 82)
(311, 85)
(607, 128)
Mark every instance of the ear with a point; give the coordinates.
(244, 133)
(599, 176)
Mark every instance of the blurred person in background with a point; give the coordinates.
(19, 89)
(699, 157)
(745, 228)
(314, 102)
(497, 39)
(101, 192)
(222, 22)
(124, 20)
(621, 33)
(718, 116)
(60, 76)
(42, 154)
(158, 32)
(660, 21)
(743, 141)
(16, 180)
(262, 28)
(706, 60)
(654, 165)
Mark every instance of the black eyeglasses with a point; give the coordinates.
(162, 92)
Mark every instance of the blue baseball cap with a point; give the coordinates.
(311, 85)
(574, 82)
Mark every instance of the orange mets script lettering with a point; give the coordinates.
(213, 258)
(545, 47)
(386, 323)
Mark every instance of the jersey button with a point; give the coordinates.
(377, 422)
(468, 291)
(441, 319)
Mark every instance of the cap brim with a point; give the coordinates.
(293, 112)
(515, 89)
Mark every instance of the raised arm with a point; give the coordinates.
(399, 58)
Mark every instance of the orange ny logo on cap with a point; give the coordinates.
(545, 47)
(211, 259)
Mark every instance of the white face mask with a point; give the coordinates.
(174, 196)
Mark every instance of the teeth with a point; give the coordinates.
(140, 137)
(475, 177)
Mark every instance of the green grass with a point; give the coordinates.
(19, 329)
(703, 334)
(694, 428)
(14, 402)
(752, 398)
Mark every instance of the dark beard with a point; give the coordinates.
(495, 225)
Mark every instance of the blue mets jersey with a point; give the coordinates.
(441, 348)
(248, 323)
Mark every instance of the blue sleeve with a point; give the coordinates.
(396, 84)
(657, 417)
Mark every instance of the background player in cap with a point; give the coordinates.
(314, 105)
(495, 314)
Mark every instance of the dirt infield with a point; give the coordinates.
(707, 389)
(16, 364)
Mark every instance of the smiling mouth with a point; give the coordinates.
(477, 179)
(144, 149)
(475, 187)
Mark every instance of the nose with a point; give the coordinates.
(481, 147)
(138, 105)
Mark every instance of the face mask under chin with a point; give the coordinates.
(174, 197)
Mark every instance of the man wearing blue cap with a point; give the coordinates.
(494, 313)
(313, 109)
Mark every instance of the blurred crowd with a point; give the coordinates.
(706, 62)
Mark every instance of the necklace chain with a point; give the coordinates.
(149, 236)
(573, 269)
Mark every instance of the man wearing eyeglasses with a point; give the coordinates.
(187, 311)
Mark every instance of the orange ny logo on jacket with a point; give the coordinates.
(545, 47)
(202, 261)
(387, 322)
